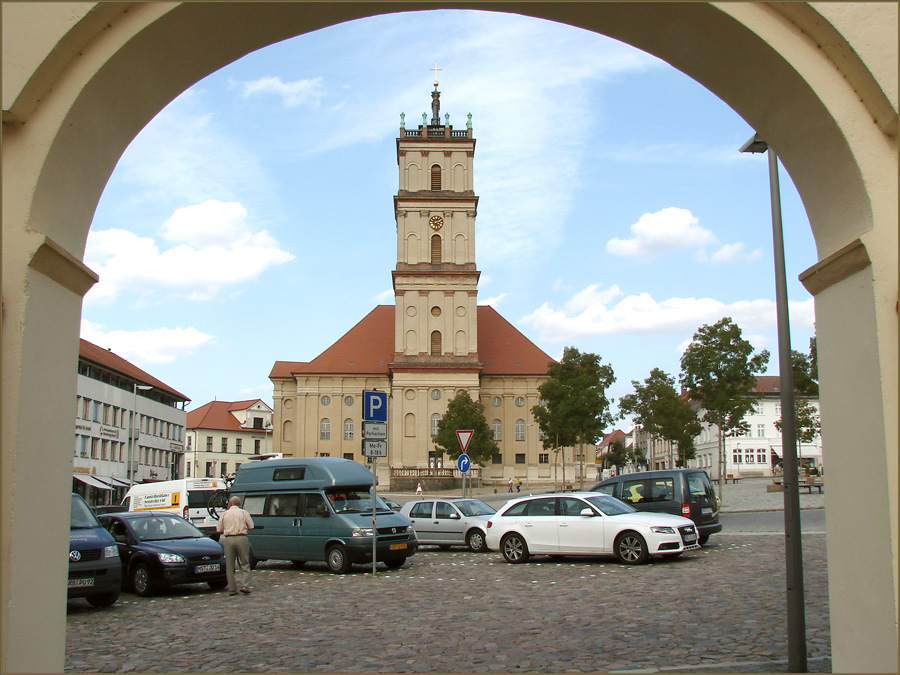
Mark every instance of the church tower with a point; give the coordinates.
(435, 280)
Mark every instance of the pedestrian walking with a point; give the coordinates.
(518, 484)
(234, 525)
(510, 484)
(418, 489)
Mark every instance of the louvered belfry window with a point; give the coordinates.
(436, 250)
(436, 343)
(435, 177)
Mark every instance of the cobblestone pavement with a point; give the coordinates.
(719, 609)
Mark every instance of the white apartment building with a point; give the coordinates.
(221, 435)
(113, 396)
(759, 450)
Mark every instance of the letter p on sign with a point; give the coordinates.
(374, 406)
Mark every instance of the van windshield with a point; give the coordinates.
(82, 518)
(345, 500)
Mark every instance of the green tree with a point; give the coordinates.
(576, 407)
(806, 370)
(656, 406)
(718, 369)
(806, 421)
(463, 413)
(617, 455)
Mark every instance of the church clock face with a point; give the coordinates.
(436, 223)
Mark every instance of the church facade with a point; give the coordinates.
(432, 343)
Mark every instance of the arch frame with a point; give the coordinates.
(818, 81)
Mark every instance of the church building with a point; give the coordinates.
(433, 342)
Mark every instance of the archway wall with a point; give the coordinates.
(80, 80)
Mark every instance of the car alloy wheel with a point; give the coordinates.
(514, 548)
(140, 579)
(631, 548)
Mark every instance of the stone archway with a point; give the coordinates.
(819, 83)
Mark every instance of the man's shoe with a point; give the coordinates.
(232, 593)
(245, 590)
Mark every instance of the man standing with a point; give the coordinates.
(234, 525)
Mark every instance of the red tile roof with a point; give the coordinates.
(88, 351)
(217, 415)
(368, 348)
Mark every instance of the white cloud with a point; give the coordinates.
(292, 94)
(735, 253)
(493, 302)
(592, 313)
(216, 249)
(385, 297)
(657, 233)
(155, 346)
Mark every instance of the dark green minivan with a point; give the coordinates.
(320, 508)
(680, 492)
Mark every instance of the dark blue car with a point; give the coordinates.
(161, 549)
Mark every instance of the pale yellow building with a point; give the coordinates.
(434, 342)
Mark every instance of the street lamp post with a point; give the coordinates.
(133, 432)
(796, 617)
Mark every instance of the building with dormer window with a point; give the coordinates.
(222, 435)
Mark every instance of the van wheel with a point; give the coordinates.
(514, 548)
(141, 581)
(394, 563)
(298, 563)
(337, 560)
(217, 585)
(475, 541)
(254, 561)
(631, 549)
(103, 599)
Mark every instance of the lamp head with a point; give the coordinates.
(755, 144)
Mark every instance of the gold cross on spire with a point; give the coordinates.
(435, 69)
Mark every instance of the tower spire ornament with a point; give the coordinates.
(435, 69)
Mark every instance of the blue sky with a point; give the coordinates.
(252, 220)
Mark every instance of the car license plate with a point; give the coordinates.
(397, 547)
(78, 583)
(690, 537)
(706, 510)
(199, 569)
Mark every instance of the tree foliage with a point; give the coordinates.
(576, 407)
(617, 454)
(656, 406)
(463, 413)
(719, 369)
(805, 369)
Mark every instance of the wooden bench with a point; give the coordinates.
(812, 482)
(731, 477)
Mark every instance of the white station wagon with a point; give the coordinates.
(589, 524)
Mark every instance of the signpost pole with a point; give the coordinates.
(374, 499)
(375, 432)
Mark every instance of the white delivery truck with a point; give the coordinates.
(194, 499)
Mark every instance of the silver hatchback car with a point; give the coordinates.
(450, 522)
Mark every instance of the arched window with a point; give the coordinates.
(325, 429)
(436, 249)
(287, 432)
(435, 420)
(409, 425)
(436, 177)
(520, 430)
(436, 343)
(348, 429)
(497, 427)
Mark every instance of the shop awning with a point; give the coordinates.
(90, 480)
(111, 481)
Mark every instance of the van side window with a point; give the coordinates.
(662, 490)
(283, 505)
(254, 504)
(606, 489)
(296, 473)
(632, 491)
(314, 505)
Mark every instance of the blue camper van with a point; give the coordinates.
(320, 508)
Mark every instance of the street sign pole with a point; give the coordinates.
(374, 446)
(374, 499)
(463, 463)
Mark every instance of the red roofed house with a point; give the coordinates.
(222, 435)
(113, 396)
(433, 342)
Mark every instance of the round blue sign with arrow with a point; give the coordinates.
(463, 463)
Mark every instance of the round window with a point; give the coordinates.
(348, 400)
(520, 401)
(435, 311)
(435, 394)
(326, 400)
(496, 401)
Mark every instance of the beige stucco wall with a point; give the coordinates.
(819, 82)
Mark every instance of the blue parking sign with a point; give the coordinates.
(374, 406)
